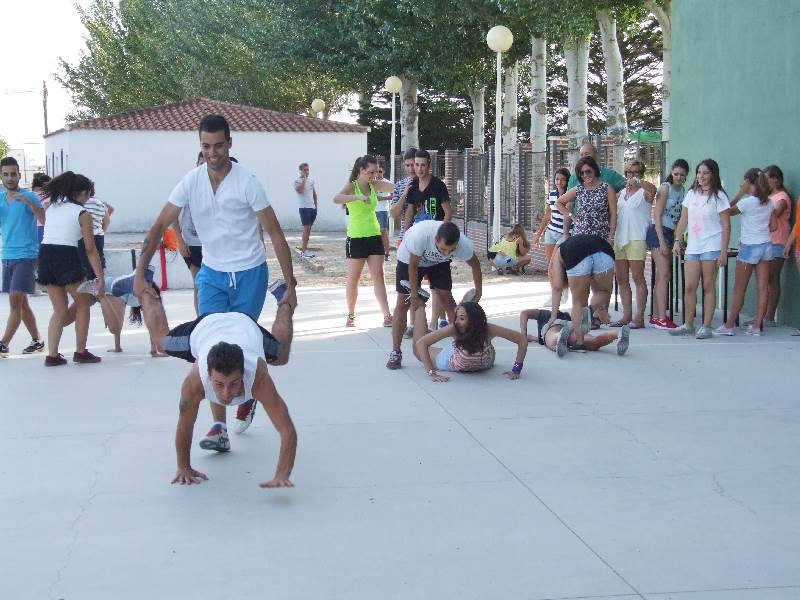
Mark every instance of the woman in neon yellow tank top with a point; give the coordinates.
(364, 242)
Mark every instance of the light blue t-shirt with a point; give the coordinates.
(18, 223)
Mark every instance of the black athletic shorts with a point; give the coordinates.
(195, 257)
(177, 342)
(439, 276)
(364, 247)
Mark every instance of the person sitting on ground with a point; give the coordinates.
(512, 252)
(471, 349)
(559, 335)
(230, 352)
(585, 263)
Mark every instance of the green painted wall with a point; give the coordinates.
(736, 98)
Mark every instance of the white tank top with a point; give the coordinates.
(233, 328)
(61, 225)
(633, 217)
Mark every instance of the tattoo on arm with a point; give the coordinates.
(183, 406)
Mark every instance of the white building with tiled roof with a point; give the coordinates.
(136, 158)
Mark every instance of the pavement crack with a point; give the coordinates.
(82, 510)
(719, 489)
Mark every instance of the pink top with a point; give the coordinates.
(781, 234)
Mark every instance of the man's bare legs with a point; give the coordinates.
(155, 319)
(20, 312)
(306, 235)
(283, 331)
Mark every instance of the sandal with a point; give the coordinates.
(596, 323)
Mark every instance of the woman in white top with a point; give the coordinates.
(630, 248)
(705, 216)
(755, 247)
(60, 266)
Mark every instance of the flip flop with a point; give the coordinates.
(596, 323)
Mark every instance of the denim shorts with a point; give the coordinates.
(383, 218)
(777, 250)
(443, 358)
(712, 255)
(752, 254)
(552, 237)
(599, 262)
(652, 237)
(242, 291)
(501, 260)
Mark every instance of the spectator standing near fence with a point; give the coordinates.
(606, 174)
(19, 211)
(307, 204)
(780, 237)
(382, 210)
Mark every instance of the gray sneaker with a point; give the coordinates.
(586, 319)
(684, 329)
(623, 340)
(704, 333)
(562, 344)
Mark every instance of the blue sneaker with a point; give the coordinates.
(278, 288)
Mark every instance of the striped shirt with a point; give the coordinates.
(464, 362)
(556, 223)
(97, 209)
(396, 194)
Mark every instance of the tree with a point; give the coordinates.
(145, 52)
(663, 12)
(3, 147)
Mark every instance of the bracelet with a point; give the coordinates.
(517, 368)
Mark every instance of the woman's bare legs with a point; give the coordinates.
(419, 320)
(740, 281)
(58, 298)
(83, 302)
(579, 288)
(709, 290)
(623, 281)
(354, 268)
(692, 280)
(774, 287)
(663, 275)
(375, 266)
(637, 273)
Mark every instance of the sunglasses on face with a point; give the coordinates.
(634, 173)
(587, 172)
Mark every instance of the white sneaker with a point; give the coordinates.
(216, 439)
(562, 344)
(684, 329)
(722, 330)
(244, 415)
(623, 340)
(753, 331)
(307, 254)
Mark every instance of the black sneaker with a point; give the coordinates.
(3, 350)
(35, 346)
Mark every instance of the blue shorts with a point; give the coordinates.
(19, 275)
(308, 216)
(242, 291)
(383, 218)
(777, 250)
(552, 237)
(752, 254)
(652, 237)
(501, 260)
(712, 255)
(443, 358)
(599, 262)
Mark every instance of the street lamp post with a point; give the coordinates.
(393, 85)
(317, 106)
(499, 40)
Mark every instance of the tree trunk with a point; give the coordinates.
(576, 53)
(409, 115)
(616, 120)
(510, 107)
(540, 185)
(477, 96)
(664, 17)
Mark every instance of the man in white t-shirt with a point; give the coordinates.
(307, 203)
(229, 207)
(427, 249)
(230, 352)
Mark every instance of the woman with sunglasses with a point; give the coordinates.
(592, 203)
